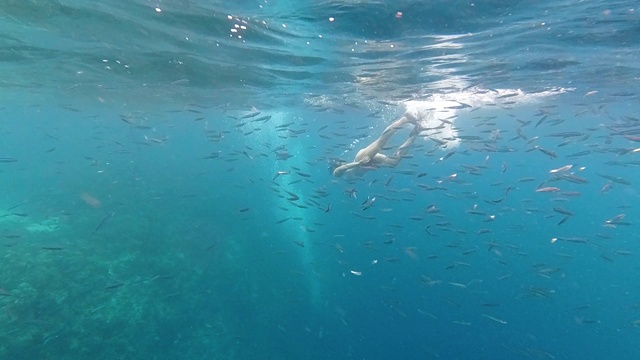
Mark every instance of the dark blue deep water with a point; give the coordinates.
(167, 192)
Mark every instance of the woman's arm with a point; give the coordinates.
(342, 168)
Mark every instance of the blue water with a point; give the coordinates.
(167, 190)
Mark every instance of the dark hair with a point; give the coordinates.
(334, 163)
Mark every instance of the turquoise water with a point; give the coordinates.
(168, 193)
